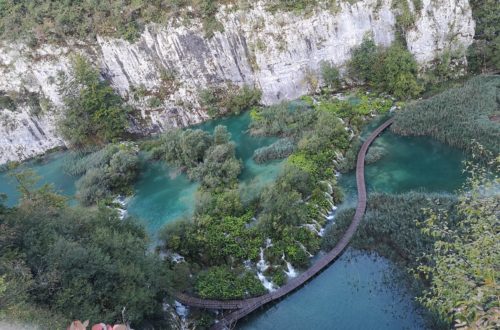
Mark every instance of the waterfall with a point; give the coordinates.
(122, 208)
(290, 272)
(262, 266)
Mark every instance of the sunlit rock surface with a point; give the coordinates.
(277, 52)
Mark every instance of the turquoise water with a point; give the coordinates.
(409, 163)
(50, 170)
(162, 195)
(353, 293)
(356, 291)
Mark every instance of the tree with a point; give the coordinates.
(77, 262)
(363, 60)
(396, 72)
(463, 266)
(330, 75)
(94, 113)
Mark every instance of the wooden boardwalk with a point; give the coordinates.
(244, 307)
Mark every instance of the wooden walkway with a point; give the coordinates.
(244, 307)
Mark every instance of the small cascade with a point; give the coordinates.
(176, 258)
(183, 312)
(290, 272)
(270, 286)
(305, 250)
(122, 208)
(262, 266)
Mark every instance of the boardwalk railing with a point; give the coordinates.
(244, 307)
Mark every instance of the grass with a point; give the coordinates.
(457, 116)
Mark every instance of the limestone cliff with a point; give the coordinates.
(273, 51)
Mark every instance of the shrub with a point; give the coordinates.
(224, 283)
(484, 53)
(220, 101)
(77, 263)
(286, 119)
(94, 113)
(6, 102)
(278, 150)
(105, 173)
(392, 70)
(363, 60)
(330, 75)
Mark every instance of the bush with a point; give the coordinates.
(363, 60)
(330, 75)
(6, 102)
(105, 173)
(484, 53)
(94, 113)
(220, 101)
(287, 119)
(224, 283)
(278, 150)
(79, 263)
(392, 70)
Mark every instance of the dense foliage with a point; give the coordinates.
(94, 113)
(449, 243)
(282, 221)
(484, 53)
(457, 116)
(463, 266)
(330, 75)
(76, 262)
(390, 225)
(392, 70)
(104, 173)
(54, 21)
(219, 101)
(278, 150)
(284, 119)
(226, 283)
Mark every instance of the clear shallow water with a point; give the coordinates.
(354, 293)
(162, 196)
(50, 170)
(409, 163)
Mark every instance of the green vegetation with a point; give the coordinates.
(94, 113)
(448, 243)
(104, 173)
(284, 119)
(392, 70)
(228, 229)
(46, 20)
(219, 101)
(457, 116)
(463, 265)
(484, 53)
(330, 75)
(225, 283)
(278, 150)
(59, 263)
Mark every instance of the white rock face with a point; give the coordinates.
(275, 52)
